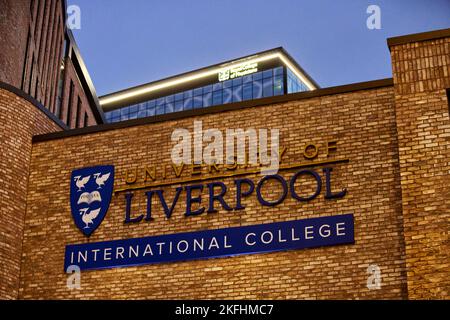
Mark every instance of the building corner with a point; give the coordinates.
(421, 73)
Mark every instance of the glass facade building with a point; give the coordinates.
(294, 84)
(271, 81)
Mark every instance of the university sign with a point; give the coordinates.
(307, 233)
(239, 71)
(92, 189)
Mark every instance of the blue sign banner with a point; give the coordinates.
(279, 236)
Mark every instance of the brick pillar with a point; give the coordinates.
(421, 72)
(19, 121)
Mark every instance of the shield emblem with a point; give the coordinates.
(90, 195)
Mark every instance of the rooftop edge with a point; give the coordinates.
(140, 89)
(367, 85)
(416, 37)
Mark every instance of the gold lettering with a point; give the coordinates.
(309, 155)
(196, 169)
(216, 168)
(178, 169)
(153, 172)
(231, 166)
(282, 152)
(131, 179)
(331, 146)
(245, 164)
(150, 173)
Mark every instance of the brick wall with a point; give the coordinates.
(396, 139)
(363, 123)
(19, 121)
(14, 24)
(75, 108)
(32, 38)
(421, 75)
(34, 44)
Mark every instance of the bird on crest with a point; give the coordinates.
(89, 217)
(81, 182)
(101, 179)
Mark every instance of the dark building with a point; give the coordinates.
(40, 57)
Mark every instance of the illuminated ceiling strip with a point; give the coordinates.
(170, 83)
(297, 73)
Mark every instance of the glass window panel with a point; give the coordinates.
(227, 95)
(247, 91)
(268, 87)
(187, 94)
(228, 83)
(151, 111)
(267, 74)
(257, 76)
(179, 96)
(134, 108)
(160, 102)
(116, 113)
(289, 72)
(198, 102)
(278, 86)
(170, 98)
(207, 89)
(297, 85)
(188, 104)
(142, 114)
(108, 115)
(237, 82)
(115, 119)
(151, 104)
(133, 115)
(289, 85)
(257, 89)
(237, 94)
(207, 99)
(247, 79)
(217, 86)
(125, 111)
(124, 117)
(217, 97)
(178, 106)
(278, 71)
(159, 109)
(198, 92)
(169, 107)
(142, 106)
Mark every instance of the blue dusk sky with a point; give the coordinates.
(127, 43)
